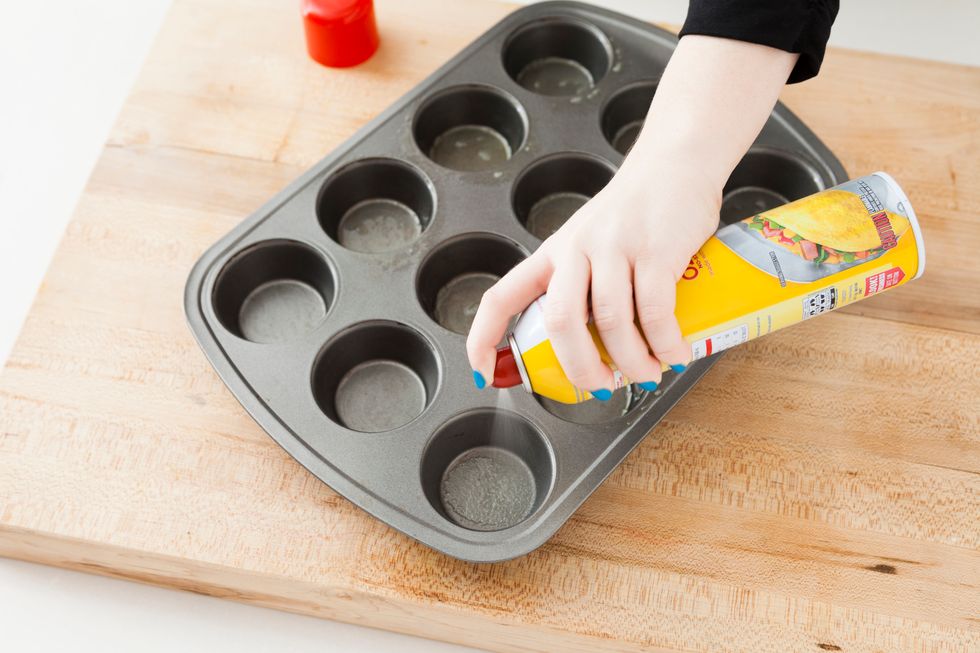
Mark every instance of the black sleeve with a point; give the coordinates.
(801, 26)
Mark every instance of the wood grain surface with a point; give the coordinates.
(818, 491)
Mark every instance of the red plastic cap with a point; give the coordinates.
(505, 372)
(340, 33)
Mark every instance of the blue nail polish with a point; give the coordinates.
(478, 379)
(678, 368)
(602, 394)
(649, 386)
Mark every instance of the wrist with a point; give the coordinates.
(711, 103)
(680, 160)
(672, 185)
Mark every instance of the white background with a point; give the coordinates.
(65, 68)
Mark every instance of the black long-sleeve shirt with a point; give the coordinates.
(801, 26)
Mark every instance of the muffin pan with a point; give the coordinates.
(337, 312)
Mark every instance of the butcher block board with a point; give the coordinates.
(819, 490)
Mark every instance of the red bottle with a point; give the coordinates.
(340, 33)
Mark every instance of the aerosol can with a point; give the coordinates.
(755, 276)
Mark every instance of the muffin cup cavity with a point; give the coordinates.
(375, 205)
(375, 376)
(452, 279)
(487, 470)
(274, 291)
(551, 189)
(624, 114)
(557, 56)
(470, 128)
(764, 179)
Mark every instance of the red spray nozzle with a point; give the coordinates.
(505, 372)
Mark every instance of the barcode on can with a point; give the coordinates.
(819, 302)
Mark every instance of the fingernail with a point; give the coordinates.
(602, 394)
(649, 386)
(478, 379)
(678, 368)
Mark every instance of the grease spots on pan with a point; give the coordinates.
(378, 225)
(488, 488)
(555, 76)
(470, 148)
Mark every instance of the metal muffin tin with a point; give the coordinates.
(337, 353)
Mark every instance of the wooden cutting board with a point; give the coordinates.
(818, 491)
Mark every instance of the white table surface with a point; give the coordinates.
(66, 67)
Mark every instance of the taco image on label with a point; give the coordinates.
(816, 236)
(832, 228)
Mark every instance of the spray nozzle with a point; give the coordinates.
(505, 372)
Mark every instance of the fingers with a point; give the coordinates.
(514, 292)
(655, 293)
(565, 320)
(612, 313)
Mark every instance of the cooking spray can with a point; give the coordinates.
(753, 277)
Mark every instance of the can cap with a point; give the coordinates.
(505, 372)
(340, 33)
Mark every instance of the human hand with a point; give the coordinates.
(627, 248)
